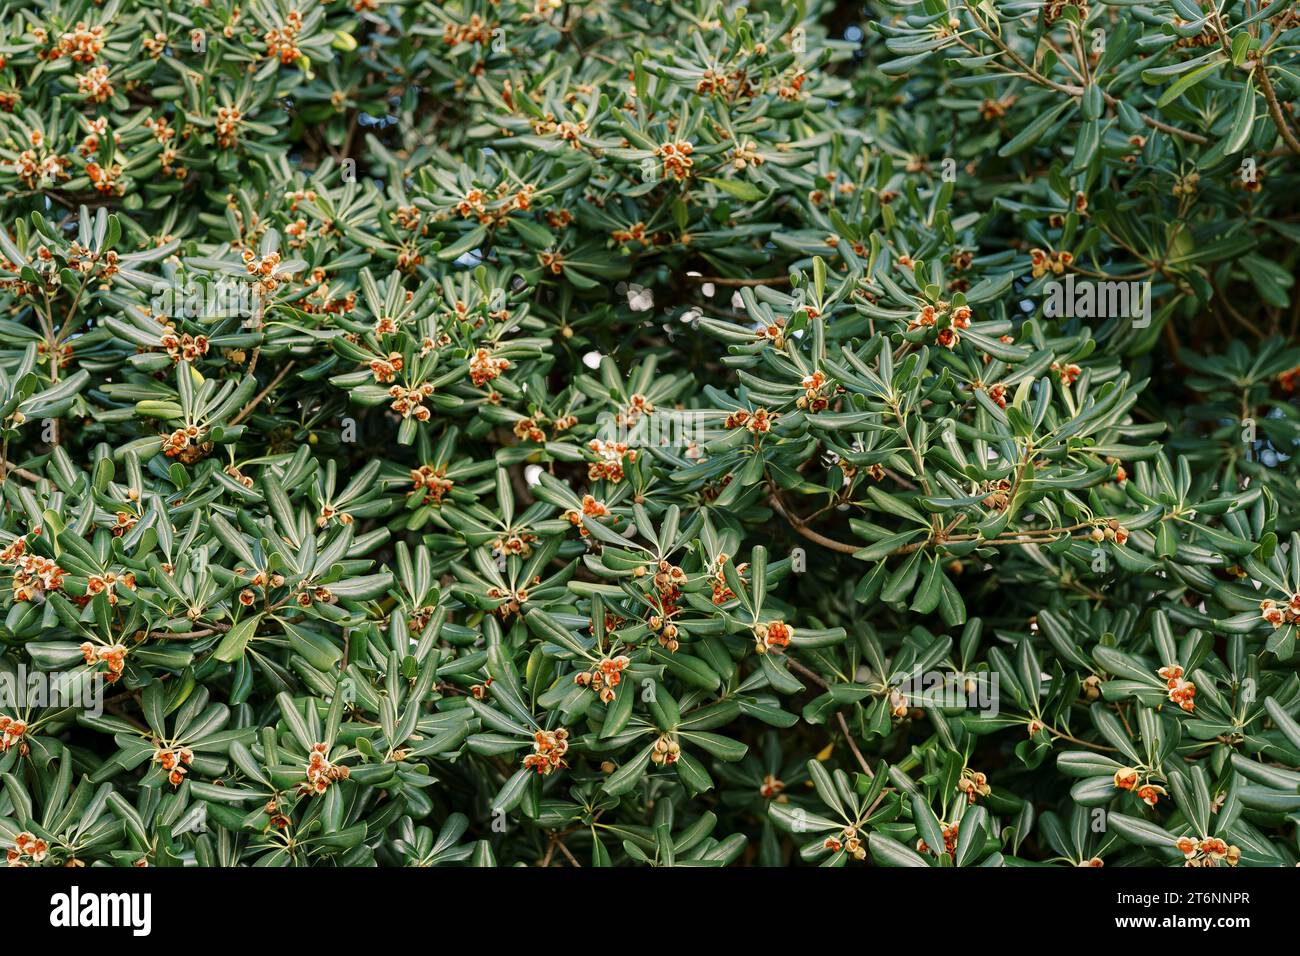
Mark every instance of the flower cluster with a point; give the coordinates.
(676, 158)
(113, 655)
(432, 483)
(772, 636)
(409, 402)
(549, 748)
(385, 369)
(974, 784)
(850, 841)
(108, 582)
(759, 421)
(81, 44)
(184, 347)
(1129, 778)
(591, 508)
(175, 762)
(817, 391)
(612, 458)
(33, 574)
(96, 84)
(945, 319)
(281, 41)
(227, 126)
(1208, 851)
(604, 677)
(483, 367)
(950, 833)
(1041, 262)
(1278, 613)
(185, 444)
(321, 773)
(722, 592)
(1112, 530)
(666, 751)
(1182, 692)
(12, 732)
(27, 849)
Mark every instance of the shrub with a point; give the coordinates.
(691, 433)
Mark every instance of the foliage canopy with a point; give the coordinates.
(650, 433)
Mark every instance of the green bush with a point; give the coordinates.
(620, 433)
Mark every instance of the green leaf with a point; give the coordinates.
(235, 642)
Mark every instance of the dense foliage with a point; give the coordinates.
(641, 433)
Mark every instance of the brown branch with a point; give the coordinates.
(1161, 125)
(184, 635)
(216, 627)
(903, 482)
(812, 676)
(844, 725)
(1059, 735)
(1275, 111)
(7, 469)
(257, 399)
(1237, 316)
(862, 761)
(565, 850)
(798, 525)
(1068, 88)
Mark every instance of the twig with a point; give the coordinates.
(844, 724)
(1082, 743)
(862, 761)
(185, 635)
(7, 469)
(1237, 316)
(1275, 111)
(815, 678)
(808, 532)
(569, 856)
(1070, 89)
(248, 409)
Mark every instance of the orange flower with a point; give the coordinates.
(1150, 794)
(771, 787)
(676, 159)
(483, 367)
(666, 751)
(433, 481)
(1066, 373)
(321, 773)
(549, 748)
(772, 636)
(612, 456)
(1126, 778)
